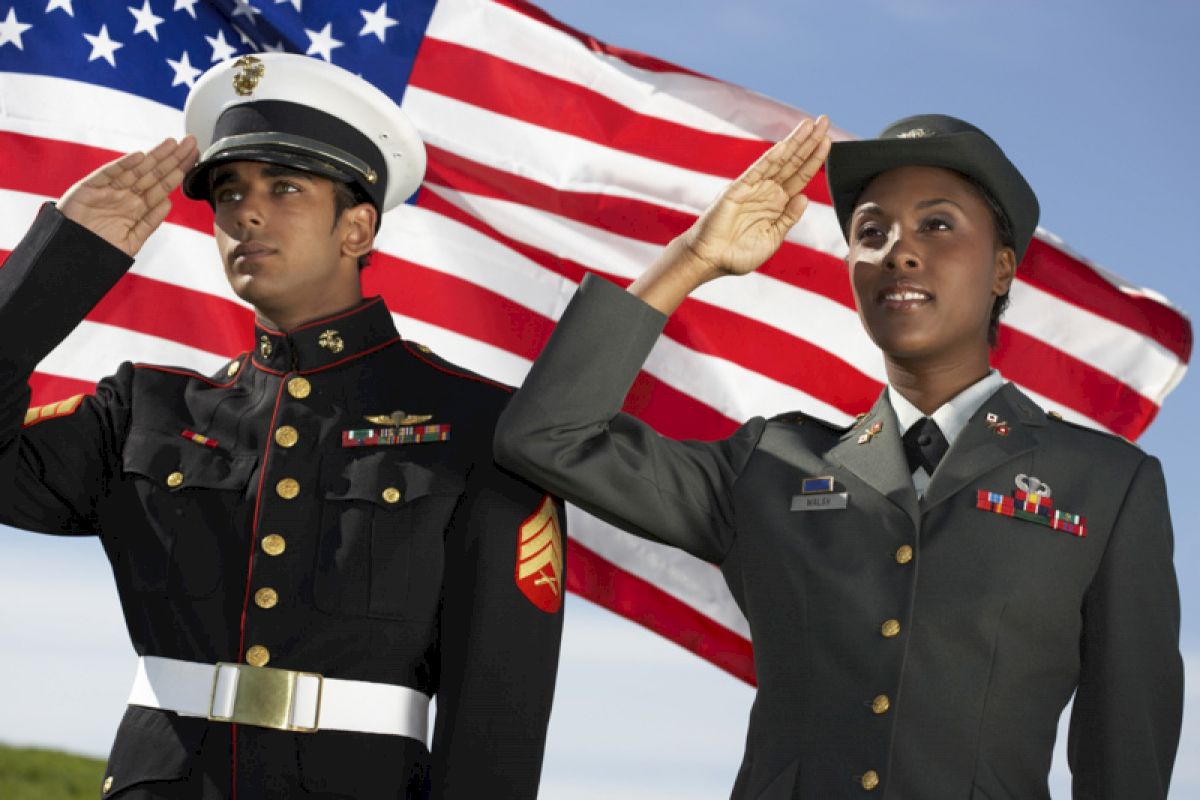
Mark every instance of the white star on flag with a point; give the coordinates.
(221, 49)
(102, 46)
(296, 3)
(184, 71)
(11, 29)
(147, 20)
(244, 9)
(377, 22)
(322, 42)
(64, 5)
(186, 5)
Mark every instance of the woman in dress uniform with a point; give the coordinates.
(928, 588)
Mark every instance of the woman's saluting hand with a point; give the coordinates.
(745, 225)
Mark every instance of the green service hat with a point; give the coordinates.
(933, 140)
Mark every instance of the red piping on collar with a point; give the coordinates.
(339, 362)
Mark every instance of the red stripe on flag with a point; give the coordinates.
(47, 388)
(613, 588)
(1076, 384)
(48, 167)
(172, 312)
(631, 57)
(1069, 279)
(716, 331)
(518, 92)
(808, 269)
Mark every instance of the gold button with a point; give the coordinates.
(870, 780)
(287, 488)
(273, 544)
(881, 704)
(890, 628)
(266, 597)
(1054, 415)
(108, 782)
(299, 388)
(233, 368)
(904, 554)
(287, 436)
(258, 656)
(175, 480)
(391, 495)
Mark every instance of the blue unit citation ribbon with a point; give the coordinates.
(406, 434)
(1031, 502)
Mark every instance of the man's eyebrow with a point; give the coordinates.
(221, 176)
(281, 171)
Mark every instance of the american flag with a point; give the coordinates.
(550, 155)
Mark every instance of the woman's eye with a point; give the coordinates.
(868, 230)
(938, 224)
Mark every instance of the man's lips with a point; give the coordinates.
(250, 251)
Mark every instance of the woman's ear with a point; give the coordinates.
(359, 223)
(1006, 271)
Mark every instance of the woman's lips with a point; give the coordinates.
(904, 298)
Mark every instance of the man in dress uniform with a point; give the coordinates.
(927, 588)
(312, 543)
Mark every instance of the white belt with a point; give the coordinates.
(279, 698)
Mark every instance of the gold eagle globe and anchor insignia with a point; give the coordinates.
(331, 341)
(250, 72)
(540, 557)
(398, 419)
(264, 346)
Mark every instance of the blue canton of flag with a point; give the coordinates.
(158, 48)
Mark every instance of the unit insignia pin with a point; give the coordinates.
(264, 346)
(870, 433)
(250, 72)
(331, 341)
(997, 425)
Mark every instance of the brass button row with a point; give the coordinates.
(881, 704)
(266, 597)
(288, 488)
(273, 544)
(299, 388)
(258, 656)
(870, 780)
(904, 554)
(890, 628)
(286, 436)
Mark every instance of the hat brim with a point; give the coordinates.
(853, 164)
(196, 184)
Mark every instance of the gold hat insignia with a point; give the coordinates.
(250, 72)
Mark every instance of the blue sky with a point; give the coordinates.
(1096, 102)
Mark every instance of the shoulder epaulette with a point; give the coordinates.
(431, 358)
(800, 418)
(1057, 417)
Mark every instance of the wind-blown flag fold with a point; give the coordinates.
(550, 155)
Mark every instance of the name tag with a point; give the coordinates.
(820, 502)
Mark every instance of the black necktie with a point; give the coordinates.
(924, 445)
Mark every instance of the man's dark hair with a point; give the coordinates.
(345, 197)
(1004, 238)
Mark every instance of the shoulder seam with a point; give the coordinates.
(418, 354)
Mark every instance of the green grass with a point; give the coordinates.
(29, 774)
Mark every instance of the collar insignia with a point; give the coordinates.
(331, 341)
(264, 346)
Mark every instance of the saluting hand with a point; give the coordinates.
(125, 201)
(747, 223)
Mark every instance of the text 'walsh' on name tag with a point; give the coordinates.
(820, 502)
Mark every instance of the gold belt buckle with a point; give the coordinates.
(264, 697)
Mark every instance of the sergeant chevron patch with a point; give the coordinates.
(540, 558)
(60, 409)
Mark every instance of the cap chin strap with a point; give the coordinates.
(288, 141)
